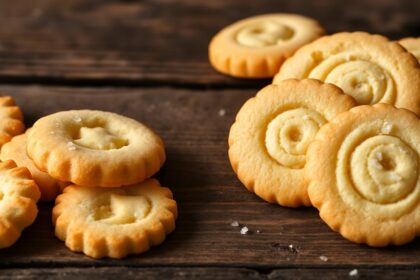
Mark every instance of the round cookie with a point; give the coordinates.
(412, 45)
(268, 141)
(370, 68)
(11, 117)
(16, 150)
(256, 47)
(18, 197)
(363, 172)
(95, 148)
(114, 222)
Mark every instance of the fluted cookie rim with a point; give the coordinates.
(51, 145)
(14, 121)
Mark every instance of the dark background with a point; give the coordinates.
(148, 60)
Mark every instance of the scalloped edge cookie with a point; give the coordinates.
(11, 116)
(412, 45)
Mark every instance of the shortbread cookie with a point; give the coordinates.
(363, 169)
(18, 197)
(11, 119)
(16, 150)
(268, 141)
(95, 148)
(114, 222)
(412, 45)
(256, 47)
(370, 68)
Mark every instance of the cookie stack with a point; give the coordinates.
(337, 129)
(109, 207)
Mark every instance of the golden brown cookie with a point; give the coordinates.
(114, 222)
(95, 148)
(18, 197)
(268, 141)
(11, 119)
(363, 170)
(16, 150)
(368, 67)
(412, 45)
(255, 47)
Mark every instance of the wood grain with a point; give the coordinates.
(209, 195)
(157, 41)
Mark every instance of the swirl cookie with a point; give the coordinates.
(370, 68)
(412, 45)
(95, 148)
(114, 222)
(18, 197)
(11, 117)
(16, 150)
(268, 141)
(363, 169)
(256, 47)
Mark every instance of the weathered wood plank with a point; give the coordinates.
(209, 195)
(157, 41)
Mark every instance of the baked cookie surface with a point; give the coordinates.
(255, 47)
(95, 148)
(412, 45)
(16, 150)
(114, 222)
(11, 119)
(18, 197)
(368, 67)
(268, 141)
(363, 170)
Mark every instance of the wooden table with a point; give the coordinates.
(148, 60)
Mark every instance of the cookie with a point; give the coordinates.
(16, 150)
(370, 68)
(268, 141)
(255, 47)
(363, 173)
(11, 117)
(412, 45)
(114, 222)
(18, 197)
(95, 148)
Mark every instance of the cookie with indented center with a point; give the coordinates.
(368, 67)
(11, 120)
(95, 148)
(412, 45)
(363, 173)
(268, 141)
(255, 47)
(114, 222)
(18, 197)
(16, 150)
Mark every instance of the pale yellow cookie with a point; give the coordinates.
(368, 67)
(255, 47)
(18, 197)
(412, 45)
(95, 148)
(363, 170)
(268, 141)
(16, 150)
(114, 222)
(11, 119)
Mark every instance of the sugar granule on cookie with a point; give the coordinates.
(11, 120)
(368, 67)
(268, 141)
(114, 222)
(18, 197)
(16, 150)
(95, 148)
(365, 180)
(256, 47)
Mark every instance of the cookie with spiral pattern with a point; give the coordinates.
(363, 173)
(368, 67)
(268, 141)
(412, 45)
